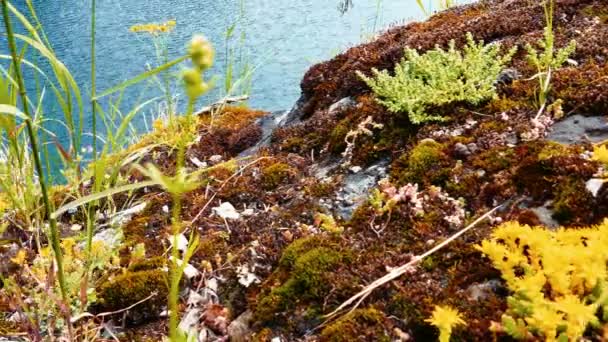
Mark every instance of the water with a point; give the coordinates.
(283, 38)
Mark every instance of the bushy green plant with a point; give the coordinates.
(559, 279)
(439, 77)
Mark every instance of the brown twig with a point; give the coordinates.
(109, 313)
(200, 213)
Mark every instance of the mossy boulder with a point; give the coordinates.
(304, 274)
(131, 287)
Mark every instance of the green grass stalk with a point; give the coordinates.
(54, 235)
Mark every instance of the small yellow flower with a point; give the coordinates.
(600, 153)
(445, 319)
(154, 29)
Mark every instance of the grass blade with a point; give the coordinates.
(140, 77)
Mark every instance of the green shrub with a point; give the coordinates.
(439, 77)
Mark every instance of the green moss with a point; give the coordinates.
(211, 245)
(8, 328)
(552, 150)
(361, 324)
(299, 247)
(424, 162)
(275, 175)
(428, 263)
(495, 159)
(292, 144)
(403, 306)
(337, 135)
(572, 203)
(504, 104)
(304, 274)
(149, 264)
(131, 287)
(320, 189)
(596, 11)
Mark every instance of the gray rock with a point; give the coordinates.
(577, 128)
(111, 237)
(545, 216)
(473, 148)
(356, 187)
(479, 292)
(507, 76)
(343, 104)
(268, 124)
(461, 150)
(295, 114)
(239, 330)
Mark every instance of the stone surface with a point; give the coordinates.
(356, 187)
(577, 128)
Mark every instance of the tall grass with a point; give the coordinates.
(53, 232)
(435, 5)
(22, 177)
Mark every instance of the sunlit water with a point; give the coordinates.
(283, 38)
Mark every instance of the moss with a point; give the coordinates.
(304, 275)
(552, 150)
(131, 287)
(210, 245)
(149, 264)
(595, 11)
(337, 135)
(425, 162)
(495, 159)
(8, 328)
(361, 324)
(320, 189)
(573, 204)
(428, 263)
(292, 144)
(504, 104)
(403, 306)
(300, 246)
(275, 175)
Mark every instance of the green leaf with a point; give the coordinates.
(141, 77)
(97, 196)
(14, 111)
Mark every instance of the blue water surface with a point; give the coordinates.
(282, 39)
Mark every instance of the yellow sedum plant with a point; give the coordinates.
(445, 319)
(558, 278)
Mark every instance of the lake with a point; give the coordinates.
(282, 39)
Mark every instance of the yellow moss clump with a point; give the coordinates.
(558, 278)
